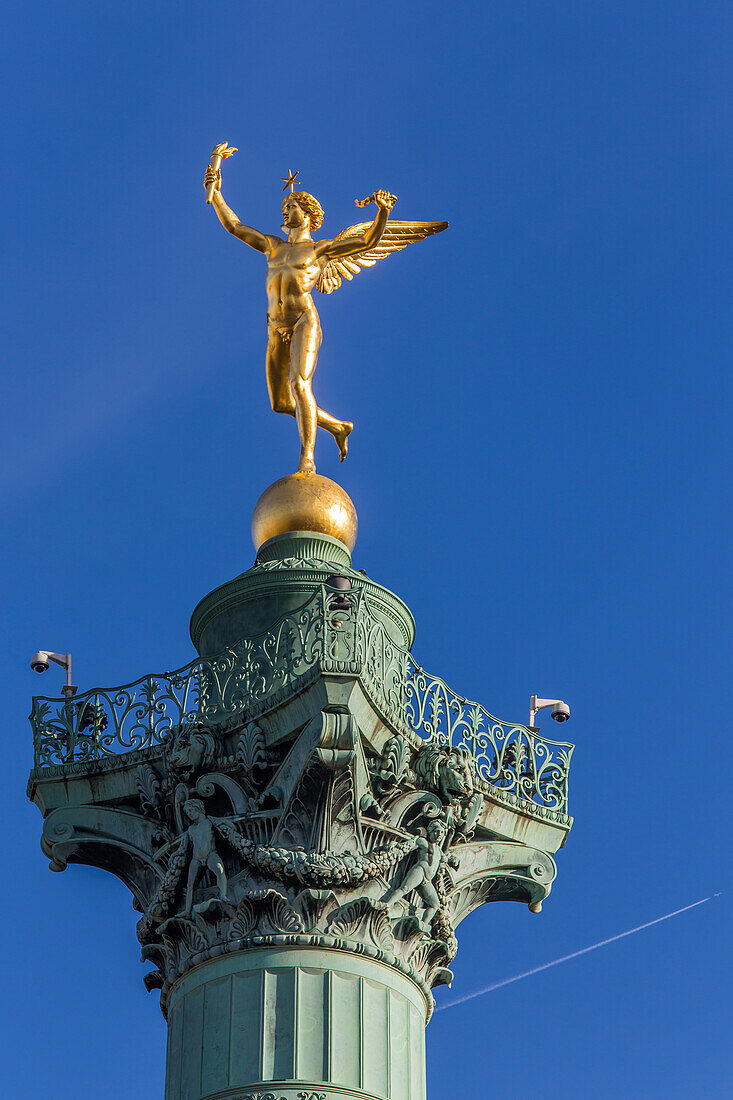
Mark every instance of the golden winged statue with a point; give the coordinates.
(296, 266)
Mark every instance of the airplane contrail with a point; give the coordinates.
(573, 955)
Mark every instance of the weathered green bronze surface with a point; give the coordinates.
(296, 1017)
(303, 820)
(249, 678)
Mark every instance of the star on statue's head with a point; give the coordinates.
(290, 180)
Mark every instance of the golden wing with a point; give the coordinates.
(396, 236)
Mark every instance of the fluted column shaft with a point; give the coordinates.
(296, 1022)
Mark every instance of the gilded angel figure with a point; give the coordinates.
(297, 265)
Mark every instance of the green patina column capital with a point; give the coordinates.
(304, 815)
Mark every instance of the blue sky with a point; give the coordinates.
(541, 397)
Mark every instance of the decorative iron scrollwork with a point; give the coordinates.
(350, 640)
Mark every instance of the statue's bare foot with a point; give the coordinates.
(306, 465)
(342, 438)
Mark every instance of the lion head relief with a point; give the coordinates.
(447, 771)
(190, 749)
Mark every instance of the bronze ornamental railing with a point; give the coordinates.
(333, 632)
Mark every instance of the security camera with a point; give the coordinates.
(40, 661)
(340, 601)
(339, 581)
(560, 710)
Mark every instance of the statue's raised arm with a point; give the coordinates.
(296, 266)
(347, 255)
(212, 182)
(348, 245)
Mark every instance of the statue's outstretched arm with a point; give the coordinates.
(259, 241)
(351, 246)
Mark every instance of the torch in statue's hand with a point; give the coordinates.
(212, 179)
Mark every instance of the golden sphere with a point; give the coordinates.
(304, 502)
